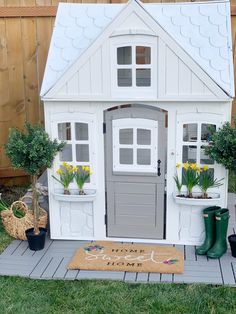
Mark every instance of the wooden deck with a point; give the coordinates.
(50, 263)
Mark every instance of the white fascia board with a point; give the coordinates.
(137, 7)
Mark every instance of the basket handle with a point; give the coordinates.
(24, 197)
(23, 206)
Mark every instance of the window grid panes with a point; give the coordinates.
(134, 146)
(195, 137)
(77, 148)
(134, 66)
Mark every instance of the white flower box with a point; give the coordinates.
(215, 198)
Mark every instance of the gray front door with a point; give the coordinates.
(135, 145)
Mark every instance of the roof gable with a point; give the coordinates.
(84, 25)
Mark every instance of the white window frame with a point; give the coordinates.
(134, 123)
(73, 119)
(133, 41)
(190, 118)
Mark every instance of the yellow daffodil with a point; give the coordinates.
(75, 169)
(64, 164)
(178, 165)
(200, 170)
(205, 167)
(186, 165)
(59, 171)
(193, 166)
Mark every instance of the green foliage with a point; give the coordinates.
(207, 181)
(222, 147)
(31, 150)
(66, 173)
(81, 176)
(190, 177)
(178, 183)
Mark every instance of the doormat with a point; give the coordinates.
(106, 255)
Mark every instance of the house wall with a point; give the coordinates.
(179, 219)
(93, 78)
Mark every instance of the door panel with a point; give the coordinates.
(135, 192)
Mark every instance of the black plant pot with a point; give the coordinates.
(36, 241)
(232, 242)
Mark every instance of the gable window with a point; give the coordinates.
(134, 66)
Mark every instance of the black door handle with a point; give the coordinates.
(159, 168)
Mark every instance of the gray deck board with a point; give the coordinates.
(62, 269)
(52, 261)
(154, 277)
(130, 277)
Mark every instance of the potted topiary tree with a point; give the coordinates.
(32, 151)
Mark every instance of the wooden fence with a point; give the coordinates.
(25, 32)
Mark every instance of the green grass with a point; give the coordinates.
(29, 296)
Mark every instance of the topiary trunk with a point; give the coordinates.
(35, 204)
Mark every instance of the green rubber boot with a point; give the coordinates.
(220, 246)
(209, 221)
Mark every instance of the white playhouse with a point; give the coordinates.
(133, 89)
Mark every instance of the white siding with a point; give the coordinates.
(180, 79)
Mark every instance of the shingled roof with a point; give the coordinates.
(202, 29)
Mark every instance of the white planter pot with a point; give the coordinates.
(74, 196)
(215, 198)
(75, 213)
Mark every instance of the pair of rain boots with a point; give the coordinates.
(216, 224)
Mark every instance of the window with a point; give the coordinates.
(195, 136)
(78, 144)
(134, 145)
(134, 66)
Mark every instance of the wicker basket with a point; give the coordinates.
(15, 226)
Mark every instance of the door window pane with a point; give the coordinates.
(143, 55)
(126, 136)
(190, 132)
(81, 131)
(124, 55)
(64, 131)
(124, 77)
(126, 156)
(143, 137)
(206, 131)
(143, 156)
(66, 153)
(189, 154)
(143, 77)
(204, 159)
(82, 152)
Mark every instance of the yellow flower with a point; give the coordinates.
(193, 166)
(83, 168)
(59, 171)
(200, 170)
(87, 168)
(75, 169)
(64, 164)
(186, 165)
(178, 165)
(205, 167)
